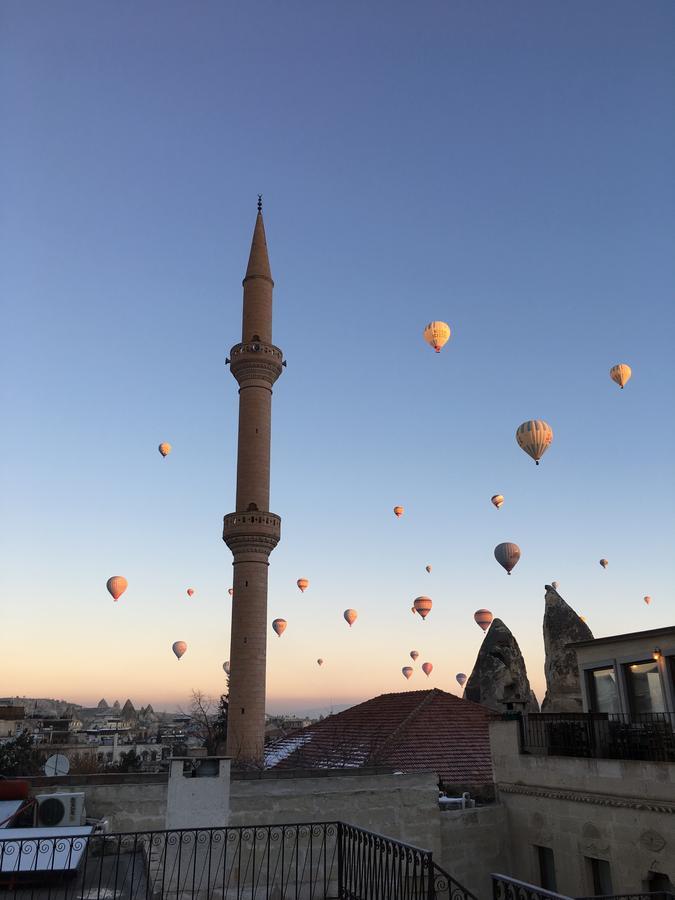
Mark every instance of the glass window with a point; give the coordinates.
(601, 877)
(546, 868)
(644, 687)
(604, 693)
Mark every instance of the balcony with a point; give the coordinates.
(648, 737)
(308, 861)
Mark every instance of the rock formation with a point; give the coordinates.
(561, 627)
(103, 704)
(128, 711)
(499, 677)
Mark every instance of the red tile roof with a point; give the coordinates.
(410, 731)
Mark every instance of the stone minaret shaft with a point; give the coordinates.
(252, 531)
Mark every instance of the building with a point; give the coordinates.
(252, 531)
(411, 731)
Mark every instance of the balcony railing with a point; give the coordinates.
(600, 735)
(308, 861)
(505, 888)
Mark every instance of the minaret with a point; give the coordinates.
(252, 531)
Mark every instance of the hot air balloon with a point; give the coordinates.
(461, 679)
(437, 335)
(179, 648)
(621, 374)
(647, 600)
(483, 617)
(413, 655)
(428, 568)
(507, 555)
(164, 449)
(303, 584)
(350, 616)
(407, 672)
(230, 591)
(319, 662)
(497, 500)
(555, 584)
(279, 625)
(604, 563)
(190, 591)
(427, 668)
(226, 667)
(422, 605)
(117, 585)
(398, 511)
(534, 437)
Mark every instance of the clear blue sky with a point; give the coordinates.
(506, 167)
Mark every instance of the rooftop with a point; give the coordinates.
(631, 636)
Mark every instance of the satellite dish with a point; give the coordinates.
(57, 765)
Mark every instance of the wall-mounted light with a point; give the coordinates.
(656, 654)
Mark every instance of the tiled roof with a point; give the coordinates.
(410, 731)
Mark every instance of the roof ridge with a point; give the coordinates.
(409, 718)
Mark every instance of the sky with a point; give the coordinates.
(506, 167)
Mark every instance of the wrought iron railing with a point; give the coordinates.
(505, 888)
(307, 861)
(639, 895)
(600, 735)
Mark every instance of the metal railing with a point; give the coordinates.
(306, 861)
(505, 888)
(600, 735)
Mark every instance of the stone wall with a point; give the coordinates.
(475, 843)
(619, 811)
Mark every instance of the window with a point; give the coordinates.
(600, 876)
(546, 868)
(603, 690)
(644, 687)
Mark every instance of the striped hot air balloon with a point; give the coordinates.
(179, 648)
(398, 511)
(422, 606)
(497, 500)
(437, 335)
(483, 618)
(507, 555)
(621, 374)
(117, 585)
(534, 437)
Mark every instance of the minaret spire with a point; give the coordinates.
(252, 532)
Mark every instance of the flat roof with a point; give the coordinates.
(633, 635)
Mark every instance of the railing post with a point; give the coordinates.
(431, 890)
(340, 859)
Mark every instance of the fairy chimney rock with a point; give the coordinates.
(499, 677)
(562, 626)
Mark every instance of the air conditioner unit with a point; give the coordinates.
(60, 809)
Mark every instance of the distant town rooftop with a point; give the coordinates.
(631, 636)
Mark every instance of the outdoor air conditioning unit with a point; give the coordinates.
(60, 809)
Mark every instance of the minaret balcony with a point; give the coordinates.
(254, 532)
(255, 361)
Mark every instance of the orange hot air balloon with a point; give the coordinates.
(437, 335)
(398, 511)
(279, 625)
(604, 563)
(427, 668)
(497, 500)
(319, 662)
(422, 606)
(164, 449)
(179, 648)
(407, 672)
(428, 568)
(647, 600)
(226, 667)
(461, 679)
(117, 585)
(303, 584)
(620, 374)
(413, 655)
(350, 616)
(190, 592)
(230, 591)
(483, 617)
